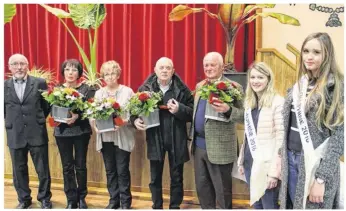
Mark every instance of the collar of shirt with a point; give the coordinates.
(20, 81)
(213, 80)
(164, 86)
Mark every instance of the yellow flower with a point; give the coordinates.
(68, 91)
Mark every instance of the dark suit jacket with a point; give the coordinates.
(25, 121)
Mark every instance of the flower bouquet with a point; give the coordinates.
(145, 106)
(220, 92)
(105, 111)
(63, 100)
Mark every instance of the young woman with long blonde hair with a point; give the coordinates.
(314, 129)
(263, 137)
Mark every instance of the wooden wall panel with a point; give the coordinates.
(139, 168)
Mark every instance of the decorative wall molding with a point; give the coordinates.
(333, 20)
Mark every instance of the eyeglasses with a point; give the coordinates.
(72, 69)
(16, 64)
(165, 67)
(110, 74)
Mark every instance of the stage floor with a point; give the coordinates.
(98, 198)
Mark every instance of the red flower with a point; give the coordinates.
(91, 100)
(118, 121)
(116, 106)
(221, 86)
(75, 94)
(49, 92)
(53, 123)
(143, 97)
(211, 96)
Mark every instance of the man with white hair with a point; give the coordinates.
(214, 143)
(25, 121)
(171, 136)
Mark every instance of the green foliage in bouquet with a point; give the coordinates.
(143, 103)
(101, 109)
(65, 97)
(224, 92)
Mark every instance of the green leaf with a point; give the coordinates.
(9, 12)
(181, 11)
(100, 11)
(253, 7)
(56, 11)
(85, 15)
(282, 18)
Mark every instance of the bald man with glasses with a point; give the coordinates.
(25, 121)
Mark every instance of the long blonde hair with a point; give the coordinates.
(329, 115)
(268, 93)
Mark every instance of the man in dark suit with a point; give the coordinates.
(25, 122)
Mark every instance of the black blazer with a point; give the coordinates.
(25, 121)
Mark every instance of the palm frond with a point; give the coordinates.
(47, 74)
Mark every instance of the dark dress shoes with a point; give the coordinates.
(72, 205)
(83, 204)
(46, 204)
(125, 207)
(24, 205)
(113, 206)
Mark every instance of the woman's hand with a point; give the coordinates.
(139, 123)
(72, 119)
(272, 182)
(241, 170)
(317, 192)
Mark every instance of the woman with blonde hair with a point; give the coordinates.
(116, 146)
(314, 129)
(263, 137)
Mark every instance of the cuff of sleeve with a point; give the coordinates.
(321, 176)
(228, 113)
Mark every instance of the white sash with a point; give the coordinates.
(250, 132)
(312, 157)
(258, 179)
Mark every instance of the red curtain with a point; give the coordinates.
(135, 35)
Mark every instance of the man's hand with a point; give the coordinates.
(220, 107)
(173, 106)
(72, 119)
(140, 124)
(317, 192)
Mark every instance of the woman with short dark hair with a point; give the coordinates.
(72, 139)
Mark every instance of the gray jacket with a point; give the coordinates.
(328, 170)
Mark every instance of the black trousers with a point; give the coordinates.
(213, 182)
(74, 166)
(117, 163)
(176, 188)
(39, 155)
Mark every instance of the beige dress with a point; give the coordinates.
(124, 137)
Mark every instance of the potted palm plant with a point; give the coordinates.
(88, 17)
(232, 17)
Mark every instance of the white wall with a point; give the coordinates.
(277, 35)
